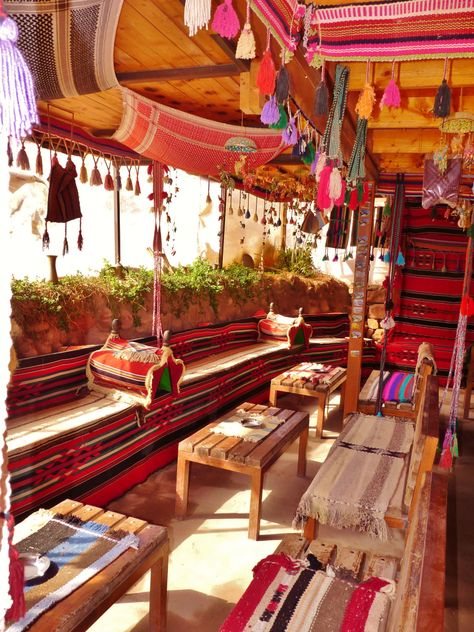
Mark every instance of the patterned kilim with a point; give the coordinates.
(415, 29)
(188, 142)
(77, 550)
(376, 449)
(279, 16)
(287, 596)
(311, 375)
(68, 46)
(414, 184)
(397, 387)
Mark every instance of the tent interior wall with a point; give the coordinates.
(354, 114)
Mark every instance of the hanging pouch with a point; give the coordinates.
(441, 188)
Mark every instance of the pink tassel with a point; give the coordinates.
(226, 21)
(391, 96)
(340, 199)
(16, 577)
(324, 201)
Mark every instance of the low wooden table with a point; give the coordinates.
(283, 384)
(237, 455)
(79, 610)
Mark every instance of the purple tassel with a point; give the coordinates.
(270, 113)
(290, 133)
(226, 21)
(391, 95)
(17, 94)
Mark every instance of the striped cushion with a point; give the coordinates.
(294, 330)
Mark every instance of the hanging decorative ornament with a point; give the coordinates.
(270, 112)
(197, 15)
(230, 208)
(247, 212)
(391, 95)
(22, 160)
(39, 157)
(365, 103)
(9, 153)
(226, 21)
(442, 102)
(137, 189)
(283, 119)
(108, 180)
(83, 175)
(118, 177)
(240, 145)
(246, 44)
(129, 183)
(266, 77)
(290, 133)
(282, 85)
(95, 177)
(240, 211)
(440, 157)
(255, 214)
(321, 97)
(18, 112)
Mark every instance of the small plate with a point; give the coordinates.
(34, 565)
(252, 423)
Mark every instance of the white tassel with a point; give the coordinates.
(246, 44)
(197, 14)
(335, 184)
(387, 323)
(320, 166)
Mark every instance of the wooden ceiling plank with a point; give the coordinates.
(403, 140)
(416, 112)
(173, 74)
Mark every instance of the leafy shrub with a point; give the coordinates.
(298, 260)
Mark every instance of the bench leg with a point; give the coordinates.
(321, 411)
(273, 395)
(158, 593)
(310, 529)
(303, 443)
(255, 504)
(182, 486)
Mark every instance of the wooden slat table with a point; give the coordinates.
(245, 457)
(79, 610)
(283, 384)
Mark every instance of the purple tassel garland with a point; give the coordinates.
(270, 113)
(290, 133)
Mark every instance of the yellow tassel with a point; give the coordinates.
(366, 102)
(246, 44)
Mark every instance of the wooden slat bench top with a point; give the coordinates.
(86, 604)
(244, 457)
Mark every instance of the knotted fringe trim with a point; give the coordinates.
(395, 10)
(134, 355)
(341, 516)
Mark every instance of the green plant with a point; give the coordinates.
(197, 279)
(241, 281)
(131, 285)
(298, 260)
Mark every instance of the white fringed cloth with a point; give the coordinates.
(355, 484)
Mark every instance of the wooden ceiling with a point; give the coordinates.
(154, 56)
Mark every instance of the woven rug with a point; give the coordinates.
(397, 387)
(68, 46)
(77, 550)
(188, 142)
(311, 374)
(286, 596)
(235, 426)
(354, 486)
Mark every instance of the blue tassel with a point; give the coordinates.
(379, 414)
(386, 257)
(400, 259)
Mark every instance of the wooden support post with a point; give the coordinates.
(222, 214)
(251, 101)
(359, 298)
(118, 254)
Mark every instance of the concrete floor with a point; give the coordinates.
(211, 557)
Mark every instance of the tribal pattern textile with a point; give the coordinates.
(397, 387)
(76, 549)
(68, 46)
(415, 29)
(189, 142)
(376, 448)
(134, 369)
(109, 453)
(311, 375)
(279, 16)
(278, 327)
(414, 184)
(287, 596)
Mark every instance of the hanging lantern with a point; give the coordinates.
(241, 145)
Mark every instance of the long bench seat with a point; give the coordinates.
(64, 441)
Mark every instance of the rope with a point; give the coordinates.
(394, 247)
(331, 138)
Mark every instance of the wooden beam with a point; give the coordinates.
(229, 48)
(414, 74)
(403, 141)
(401, 163)
(179, 74)
(251, 101)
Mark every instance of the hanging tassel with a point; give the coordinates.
(16, 576)
(400, 259)
(366, 102)
(226, 21)
(290, 133)
(283, 119)
(387, 323)
(282, 85)
(9, 153)
(324, 201)
(118, 180)
(80, 239)
(17, 94)
(270, 113)
(246, 43)
(197, 15)
(309, 154)
(247, 214)
(387, 211)
(386, 257)
(442, 103)
(321, 97)
(353, 199)
(335, 258)
(335, 184)
(255, 216)
(446, 459)
(320, 165)
(266, 73)
(95, 178)
(22, 160)
(340, 200)
(391, 95)
(129, 183)
(137, 190)
(39, 162)
(65, 243)
(108, 182)
(315, 162)
(46, 237)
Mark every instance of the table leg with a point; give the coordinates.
(303, 442)
(182, 486)
(255, 503)
(343, 394)
(158, 592)
(273, 395)
(321, 411)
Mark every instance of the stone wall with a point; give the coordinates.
(375, 312)
(49, 333)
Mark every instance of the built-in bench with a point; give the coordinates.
(65, 441)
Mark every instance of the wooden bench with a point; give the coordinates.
(421, 459)
(78, 611)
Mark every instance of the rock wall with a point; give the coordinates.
(49, 333)
(375, 311)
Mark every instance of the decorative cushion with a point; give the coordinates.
(123, 367)
(277, 327)
(285, 594)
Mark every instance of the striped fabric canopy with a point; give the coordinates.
(188, 142)
(68, 46)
